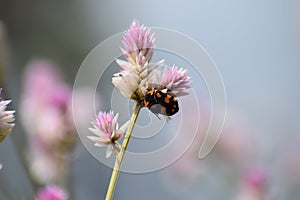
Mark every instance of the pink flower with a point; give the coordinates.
(235, 144)
(254, 185)
(138, 75)
(6, 119)
(46, 99)
(52, 192)
(46, 117)
(106, 129)
(175, 80)
(138, 44)
(41, 78)
(137, 70)
(255, 178)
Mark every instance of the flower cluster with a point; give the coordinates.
(138, 75)
(107, 131)
(48, 121)
(6, 119)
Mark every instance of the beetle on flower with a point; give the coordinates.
(143, 82)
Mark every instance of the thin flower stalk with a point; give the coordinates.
(120, 156)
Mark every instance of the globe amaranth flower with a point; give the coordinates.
(137, 70)
(176, 80)
(138, 75)
(6, 119)
(52, 192)
(137, 41)
(106, 129)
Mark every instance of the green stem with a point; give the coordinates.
(119, 158)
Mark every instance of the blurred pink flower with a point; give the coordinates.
(106, 129)
(138, 44)
(45, 115)
(188, 170)
(236, 142)
(46, 99)
(41, 76)
(6, 119)
(256, 178)
(52, 192)
(45, 167)
(253, 185)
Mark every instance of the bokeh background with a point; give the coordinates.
(255, 45)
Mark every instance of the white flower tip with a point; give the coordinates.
(91, 138)
(165, 90)
(109, 151)
(116, 116)
(135, 21)
(7, 101)
(93, 130)
(125, 126)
